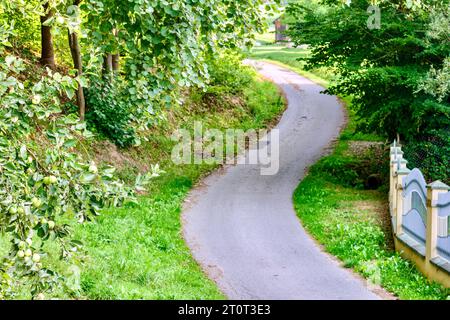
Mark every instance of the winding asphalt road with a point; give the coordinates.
(242, 227)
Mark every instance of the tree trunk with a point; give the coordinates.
(107, 66)
(116, 63)
(111, 65)
(115, 57)
(47, 52)
(78, 65)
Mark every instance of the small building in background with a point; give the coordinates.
(280, 31)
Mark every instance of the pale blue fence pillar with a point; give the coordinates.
(399, 210)
(396, 155)
(434, 190)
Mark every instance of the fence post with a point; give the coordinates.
(393, 158)
(433, 191)
(396, 154)
(400, 164)
(398, 213)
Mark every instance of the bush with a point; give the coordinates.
(109, 113)
(431, 155)
(228, 75)
(45, 186)
(340, 169)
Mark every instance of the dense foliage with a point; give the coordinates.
(43, 182)
(121, 63)
(110, 114)
(398, 74)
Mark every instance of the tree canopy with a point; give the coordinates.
(397, 73)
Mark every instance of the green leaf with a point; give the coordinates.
(70, 93)
(88, 178)
(48, 22)
(70, 143)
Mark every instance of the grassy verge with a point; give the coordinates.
(352, 223)
(137, 252)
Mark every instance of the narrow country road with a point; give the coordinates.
(242, 227)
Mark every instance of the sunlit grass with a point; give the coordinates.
(266, 38)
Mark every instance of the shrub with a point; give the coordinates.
(368, 170)
(340, 169)
(227, 74)
(432, 155)
(109, 113)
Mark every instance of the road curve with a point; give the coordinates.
(241, 226)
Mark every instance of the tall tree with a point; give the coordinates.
(47, 52)
(75, 51)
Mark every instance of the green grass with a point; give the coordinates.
(266, 38)
(138, 252)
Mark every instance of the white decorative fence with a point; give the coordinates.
(420, 215)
